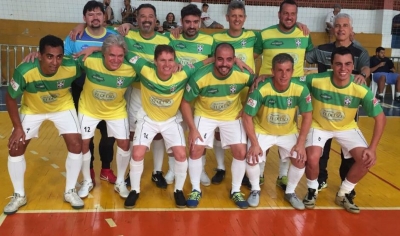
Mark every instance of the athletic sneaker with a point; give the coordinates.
(282, 182)
(204, 180)
(347, 203)
(322, 185)
(310, 198)
(86, 187)
(238, 199)
(73, 199)
(158, 178)
(16, 202)
(262, 180)
(121, 189)
(170, 177)
(108, 175)
(254, 198)
(218, 177)
(193, 199)
(352, 194)
(93, 176)
(246, 182)
(180, 200)
(130, 201)
(294, 201)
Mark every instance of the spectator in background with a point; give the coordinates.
(170, 22)
(384, 72)
(329, 20)
(158, 27)
(127, 12)
(207, 21)
(396, 31)
(109, 16)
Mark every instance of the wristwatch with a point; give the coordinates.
(364, 75)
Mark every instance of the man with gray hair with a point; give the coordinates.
(330, 19)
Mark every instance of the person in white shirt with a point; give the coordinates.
(207, 21)
(329, 20)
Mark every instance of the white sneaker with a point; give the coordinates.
(16, 202)
(204, 180)
(73, 198)
(121, 189)
(169, 177)
(86, 187)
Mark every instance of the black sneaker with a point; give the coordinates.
(322, 185)
(379, 97)
(130, 201)
(180, 200)
(218, 177)
(246, 182)
(128, 180)
(310, 198)
(159, 179)
(352, 194)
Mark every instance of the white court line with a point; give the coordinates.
(2, 218)
(45, 158)
(98, 207)
(1, 136)
(111, 222)
(34, 152)
(64, 174)
(90, 196)
(55, 166)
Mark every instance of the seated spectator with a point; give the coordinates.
(329, 20)
(170, 22)
(127, 12)
(396, 31)
(384, 72)
(207, 21)
(109, 16)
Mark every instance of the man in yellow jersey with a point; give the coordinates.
(285, 37)
(162, 92)
(336, 99)
(269, 118)
(215, 90)
(102, 98)
(45, 86)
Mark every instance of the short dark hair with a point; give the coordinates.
(163, 48)
(205, 5)
(223, 45)
(282, 58)
(173, 15)
(378, 49)
(341, 51)
(147, 5)
(290, 2)
(236, 5)
(92, 5)
(190, 10)
(52, 41)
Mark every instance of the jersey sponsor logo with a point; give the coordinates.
(220, 105)
(180, 45)
(332, 114)
(39, 85)
(188, 88)
(120, 81)
(297, 42)
(98, 78)
(60, 84)
(104, 95)
(241, 56)
(251, 102)
(200, 48)
(347, 101)
(84, 47)
(212, 90)
(277, 118)
(289, 101)
(49, 98)
(277, 43)
(271, 101)
(308, 98)
(243, 42)
(187, 60)
(161, 102)
(325, 96)
(14, 84)
(232, 88)
(137, 46)
(134, 59)
(375, 102)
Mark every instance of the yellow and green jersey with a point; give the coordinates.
(274, 41)
(102, 96)
(42, 93)
(161, 99)
(273, 111)
(217, 98)
(335, 107)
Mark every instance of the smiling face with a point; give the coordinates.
(94, 19)
(165, 62)
(342, 66)
(282, 73)
(224, 60)
(236, 19)
(287, 16)
(342, 29)
(190, 25)
(50, 60)
(146, 20)
(113, 57)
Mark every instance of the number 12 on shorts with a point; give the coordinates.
(87, 129)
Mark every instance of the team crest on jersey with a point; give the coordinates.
(120, 81)
(243, 42)
(302, 78)
(251, 102)
(347, 101)
(134, 59)
(200, 47)
(173, 88)
(232, 88)
(298, 42)
(14, 84)
(375, 102)
(60, 84)
(289, 101)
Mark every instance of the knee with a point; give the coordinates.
(123, 144)
(197, 152)
(138, 155)
(239, 154)
(75, 146)
(180, 156)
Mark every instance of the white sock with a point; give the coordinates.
(171, 163)
(238, 169)
(72, 166)
(180, 174)
(122, 163)
(86, 166)
(346, 187)
(135, 174)
(381, 94)
(294, 176)
(283, 168)
(313, 184)
(262, 168)
(195, 173)
(16, 170)
(158, 147)
(219, 154)
(203, 161)
(253, 173)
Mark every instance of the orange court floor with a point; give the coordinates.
(378, 196)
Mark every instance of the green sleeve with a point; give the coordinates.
(190, 69)
(258, 48)
(371, 104)
(192, 90)
(17, 85)
(251, 80)
(310, 44)
(136, 62)
(254, 102)
(305, 104)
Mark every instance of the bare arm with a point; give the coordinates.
(188, 118)
(255, 150)
(380, 122)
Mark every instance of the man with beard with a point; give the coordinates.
(215, 90)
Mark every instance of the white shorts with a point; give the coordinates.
(134, 103)
(171, 130)
(231, 132)
(118, 129)
(285, 144)
(348, 139)
(65, 121)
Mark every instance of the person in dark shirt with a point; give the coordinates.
(396, 31)
(384, 72)
(170, 22)
(127, 12)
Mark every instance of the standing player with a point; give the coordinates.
(44, 85)
(269, 119)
